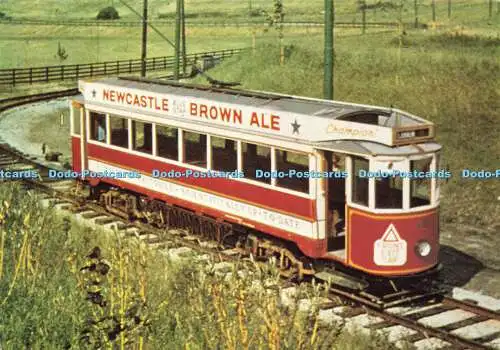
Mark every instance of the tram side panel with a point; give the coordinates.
(278, 213)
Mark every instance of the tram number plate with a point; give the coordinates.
(406, 134)
(390, 249)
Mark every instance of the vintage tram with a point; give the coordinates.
(326, 180)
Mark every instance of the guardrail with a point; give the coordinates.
(119, 23)
(13, 76)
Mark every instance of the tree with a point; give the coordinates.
(276, 19)
(61, 52)
(108, 13)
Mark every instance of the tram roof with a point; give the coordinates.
(376, 149)
(273, 101)
(294, 118)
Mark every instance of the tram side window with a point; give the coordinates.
(195, 149)
(359, 184)
(119, 131)
(142, 137)
(97, 127)
(290, 161)
(420, 188)
(389, 192)
(224, 154)
(76, 120)
(256, 157)
(167, 142)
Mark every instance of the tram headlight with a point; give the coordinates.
(423, 248)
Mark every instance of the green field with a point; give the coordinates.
(463, 11)
(37, 45)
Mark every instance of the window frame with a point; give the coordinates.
(434, 186)
(184, 152)
(75, 119)
(156, 144)
(133, 134)
(111, 116)
(90, 127)
(350, 165)
(210, 157)
(429, 180)
(272, 165)
(308, 169)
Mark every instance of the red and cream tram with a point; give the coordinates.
(310, 166)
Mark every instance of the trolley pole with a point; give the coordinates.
(328, 73)
(144, 38)
(177, 40)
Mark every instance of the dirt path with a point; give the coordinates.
(27, 128)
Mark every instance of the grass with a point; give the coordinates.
(19, 44)
(87, 44)
(65, 286)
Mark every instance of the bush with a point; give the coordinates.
(108, 13)
(4, 16)
(256, 12)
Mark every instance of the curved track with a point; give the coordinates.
(429, 319)
(12, 102)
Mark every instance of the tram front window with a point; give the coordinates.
(420, 187)
(389, 192)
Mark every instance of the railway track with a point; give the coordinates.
(12, 102)
(428, 319)
(440, 322)
(345, 24)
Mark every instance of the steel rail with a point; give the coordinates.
(476, 309)
(17, 101)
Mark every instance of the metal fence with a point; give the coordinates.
(13, 76)
(190, 23)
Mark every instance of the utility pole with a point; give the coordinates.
(449, 9)
(328, 74)
(416, 13)
(490, 9)
(144, 38)
(363, 8)
(433, 10)
(183, 33)
(177, 39)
